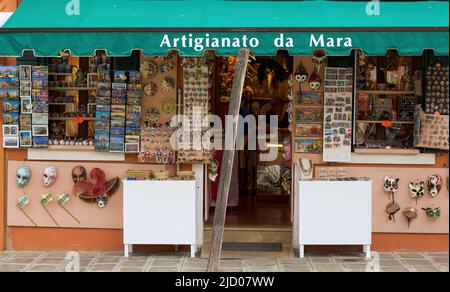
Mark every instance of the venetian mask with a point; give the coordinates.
(434, 184)
(392, 208)
(319, 58)
(23, 176)
(314, 81)
(417, 190)
(49, 176)
(102, 201)
(391, 184)
(79, 174)
(410, 214)
(301, 75)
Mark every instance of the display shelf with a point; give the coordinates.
(71, 147)
(380, 122)
(387, 151)
(72, 118)
(61, 74)
(387, 92)
(71, 88)
(60, 103)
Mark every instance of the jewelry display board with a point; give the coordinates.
(338, 114)
(437, 89)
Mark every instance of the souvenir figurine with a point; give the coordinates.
(23, 176)
(434, 184)
(410, 214)
(49, 176)
(301, 75)
(417, 190)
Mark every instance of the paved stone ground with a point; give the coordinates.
(35, 261)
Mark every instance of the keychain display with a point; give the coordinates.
(197, 96)
(437, 89)
(155, 144)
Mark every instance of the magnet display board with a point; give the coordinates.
(338, 99)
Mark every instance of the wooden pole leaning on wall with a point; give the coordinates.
(227, 163)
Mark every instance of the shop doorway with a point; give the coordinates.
(260, 192)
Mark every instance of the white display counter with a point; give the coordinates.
(159, 212)
(335, 213)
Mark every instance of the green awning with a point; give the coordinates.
(191, 26)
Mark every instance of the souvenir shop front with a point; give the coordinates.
(87, 103)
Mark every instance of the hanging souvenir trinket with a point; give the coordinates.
(149, 69)
(301, 75)
(168, 106)
(49, 176)
(392, 208)
(319, 58)
(45, 200)
(315, 82)
(417, 190)
(434, 184)
(432, 213)
(62, 200)
(22, 203)
(410, 214)
(168, 84)
(391, 186)
(167, 67)
(150, 89)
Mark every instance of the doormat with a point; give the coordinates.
(251, 246)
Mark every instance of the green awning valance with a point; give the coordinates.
(191, 26)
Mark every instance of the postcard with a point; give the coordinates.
(308, 146)
(26, 105)
(40, 142)
(10, 130)
(117, 147)
(25, 139)
(25, 122)
(25, 73)
(308, 98)
(39, 72)
(119, 76)
(9, 94)
(10, 118)
(309, 130)
(10, 106)
(8, 72)
(11, 142)
(116, 139)
(25, 89)
(40, 83)
(309, 115)
(132, 147)
(40, 119)
(39, 130)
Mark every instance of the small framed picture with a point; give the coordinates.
(40, 130)
(25, 139)
(132, 147)
(11, 142)
(26, 105)
(10, 130)
(24, 73)
(25, 89)
(40, 119)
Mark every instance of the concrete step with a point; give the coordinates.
(253, 234)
